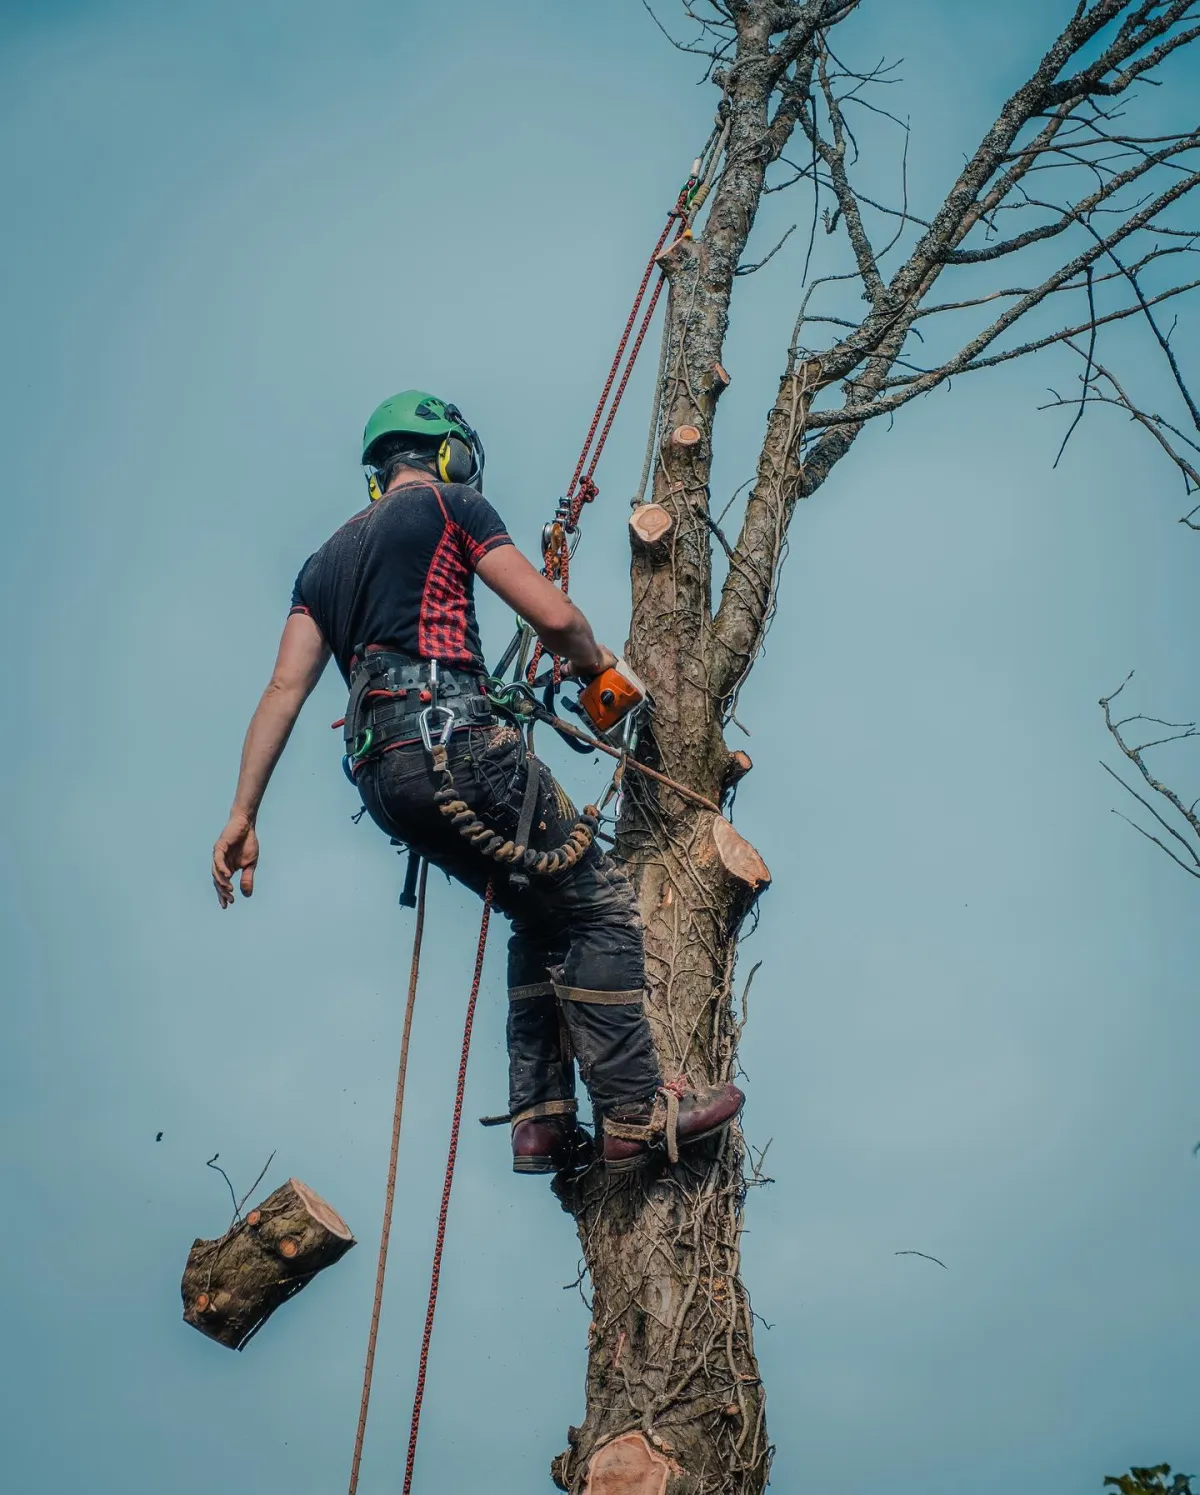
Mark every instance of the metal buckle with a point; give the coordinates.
(425, 723)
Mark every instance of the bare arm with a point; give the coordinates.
(303, 655)
(553, 616)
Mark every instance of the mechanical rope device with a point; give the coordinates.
(611, 699)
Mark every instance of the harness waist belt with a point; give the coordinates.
(390, 691)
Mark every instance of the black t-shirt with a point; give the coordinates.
(402, 574)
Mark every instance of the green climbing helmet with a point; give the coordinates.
(414, 412)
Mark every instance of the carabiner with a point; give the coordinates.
(425, 724)
(368, 737)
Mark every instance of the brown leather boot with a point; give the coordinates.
(547, 1139)
(675, 1118)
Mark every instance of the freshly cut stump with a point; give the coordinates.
(231, 1286)
(650, 529)
(628, 1466)
(737, 856)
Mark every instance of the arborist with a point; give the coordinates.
(444, 770)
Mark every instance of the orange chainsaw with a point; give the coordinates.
(611, 695)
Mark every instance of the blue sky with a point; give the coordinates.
(229, 231)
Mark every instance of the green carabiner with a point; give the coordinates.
(359, 752)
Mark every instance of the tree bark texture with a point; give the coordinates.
(675, 1404)
(232, 1285)
(674, 1400)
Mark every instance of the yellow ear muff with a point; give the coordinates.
(373, 489)
(455, 460)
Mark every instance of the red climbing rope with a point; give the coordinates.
(582, 488)
(435, 1276)
(612, 372)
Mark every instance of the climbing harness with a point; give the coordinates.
(392, 698)
(395, 700)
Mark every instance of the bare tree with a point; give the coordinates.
(674, 1398)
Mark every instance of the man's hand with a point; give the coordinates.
(236, 848)
(606, 659)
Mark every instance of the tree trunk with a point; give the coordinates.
(231, 1286)
(674, 1401)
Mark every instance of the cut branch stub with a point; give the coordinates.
(684, 438)
(232, 1285)
(649, 527)
(676, 254)
(737, 766)
(737, 856)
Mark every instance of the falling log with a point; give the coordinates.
(232, 1285)
(737, 856)
(649, 526)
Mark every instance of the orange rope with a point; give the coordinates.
(390, 1196)
(435, 1276)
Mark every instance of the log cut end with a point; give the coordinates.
(232, 1285)
(649, 526)
(737, 856)
(628, 1466)
(324, 1214)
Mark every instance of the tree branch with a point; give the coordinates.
(1135, 756)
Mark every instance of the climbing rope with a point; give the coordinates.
(390, 1195)
(435, 1275)
(560, 535)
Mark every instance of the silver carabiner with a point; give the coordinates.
(425, 723)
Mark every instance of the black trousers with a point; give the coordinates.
(576, 962)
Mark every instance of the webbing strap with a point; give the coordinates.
(535, 989)
(529, 808)
(567, 1107)
(661, 1126)
(599, 998)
